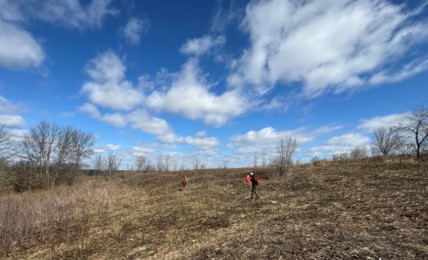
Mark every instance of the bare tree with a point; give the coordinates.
(5, 155)
(387, 140)
(358, 152)
(63, 147)
(196, 163)
(225, 163)
(81, 147)
(38, 147)
(167, 161)
(99, 164)
(264, 157)
(160, 163)
(6, 146)
(417, 128)
(141, 162)
(112, 164)
(53, 151)
(255, 159)
(285, 152)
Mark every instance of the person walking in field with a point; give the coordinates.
(254, 183)
(184, 180)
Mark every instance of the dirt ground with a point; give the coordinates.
(346, 210)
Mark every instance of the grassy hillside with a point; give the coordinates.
(366, 210)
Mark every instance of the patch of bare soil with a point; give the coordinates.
(365, 210)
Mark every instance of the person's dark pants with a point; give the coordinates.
(254, 192)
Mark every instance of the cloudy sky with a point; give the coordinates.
(219, 81)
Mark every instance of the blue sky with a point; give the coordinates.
(216, 81)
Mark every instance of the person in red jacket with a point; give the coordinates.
(254, 183)
(184, 181)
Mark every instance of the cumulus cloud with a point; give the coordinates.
(383, 121)
(340, 145)
(201, 46)
(328, 46)
(133, 30)
(108, 87)
(189, 96)
(18, 48)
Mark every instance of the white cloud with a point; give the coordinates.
(201, 142)
(9, 11)
(6, 106)
(70, 13)
(115, 119)
(134, 29)
(200, 46)
(27, 51)
(8, 114)
(189, 96)
(382, 121)
(106, 148)
(225, 16)
(159, 127)
(18, 48)
(201, 134)
(414, 67)
(340, 145)
(108, 87)
(112, 147)
(12, 120)
(270, 135)
(327, 45)
(139, 119)
(91, 109)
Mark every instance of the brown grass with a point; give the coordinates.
(366, 210)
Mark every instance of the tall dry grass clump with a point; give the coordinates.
(51, 217)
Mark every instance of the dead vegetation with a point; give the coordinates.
(343, 210)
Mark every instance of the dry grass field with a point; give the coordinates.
(353, 210)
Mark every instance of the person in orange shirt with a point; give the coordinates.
(254, 183)
(184, 181)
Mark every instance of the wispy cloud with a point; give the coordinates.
(268, 138)
(327, 46)
(9, 114)
(134, 29)
(141, 120)
(382, 121)
(201, 46)
(342, 144)
(226, 13)
(70, 13)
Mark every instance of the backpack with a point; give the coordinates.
(257, 179)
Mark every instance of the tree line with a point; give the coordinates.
(47, 155)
